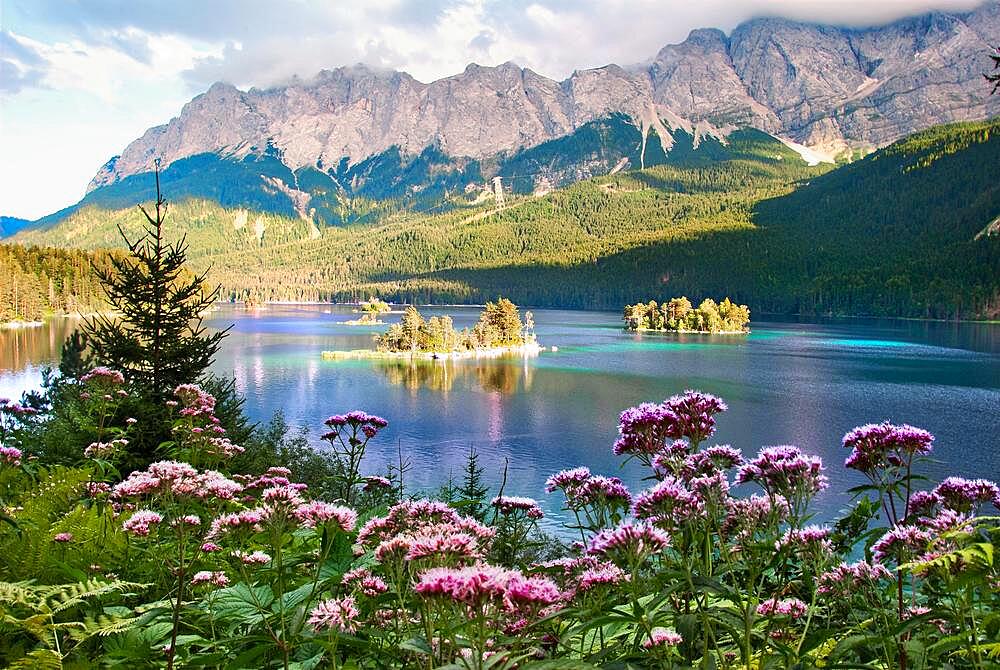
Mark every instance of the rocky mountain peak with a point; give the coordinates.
(826, 87)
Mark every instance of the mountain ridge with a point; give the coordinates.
(831, 89)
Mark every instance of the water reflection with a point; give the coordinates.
(505, 375)
(34, 347)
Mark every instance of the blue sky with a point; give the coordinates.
(79, 79)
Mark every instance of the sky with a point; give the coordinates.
(80, 79)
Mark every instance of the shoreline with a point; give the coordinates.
(641, 331)
(532, 349)
(21, 325)
(783, 317)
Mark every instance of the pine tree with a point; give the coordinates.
(472, 492)
(156, 337)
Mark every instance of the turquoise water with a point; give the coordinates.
(786, 383)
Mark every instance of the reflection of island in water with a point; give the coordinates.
(501, 375)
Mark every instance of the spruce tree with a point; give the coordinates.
(155, 336)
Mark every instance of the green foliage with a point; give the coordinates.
(43, 281)
(678, 315)
(155, 338)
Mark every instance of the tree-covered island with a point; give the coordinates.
(500, 330)
(679, 316)
(371, 310)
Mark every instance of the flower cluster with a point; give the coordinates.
(365, 581)
(214, 578)
(643, 430)
(10, 456)
(178, 479)
(105, 450)
(629, 544)
(102, 376)
(694, 415)
(808, 538)
(785, 471)
(199, 432)
(318, 514)
(877, 446)
(140, 523)
(604, 574)
(335, 614)
(661, 637)
(508, 505)
(790, 607)
(478, 586)
(964, 495)
(901, 543)
(669, 504)
(848, 578)
(367, 424)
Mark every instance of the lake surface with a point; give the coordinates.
(786, 383)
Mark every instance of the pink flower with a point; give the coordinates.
(393, 550)
(508, 505)
(785, 471)
(282, 496)
(963, 495)
(474, 585)
(605, 574)
(207, 577)
(335, 614)
(531, 592)
(810, 537)
(791, 607)
(879, 445)
(139, 523)
(209, 547)
(567, 480)
(661, 637)
(406, 517)
(188, 520)
(448, 544)
(668, 502)
(363, 579)
(103, 376)
(10, 456)
(255, 558)
(319, 513)
(629, 543)
(95, 489)
(63, 537)
(693, 414)
(848, 578)
(246, 522)
(600, 490)
(901, 543)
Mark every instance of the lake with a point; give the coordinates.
(802, 383)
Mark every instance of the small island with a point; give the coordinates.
(500, 330)
(679, 316)
(371, 310)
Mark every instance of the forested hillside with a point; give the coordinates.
(897, 233)
(37, 282)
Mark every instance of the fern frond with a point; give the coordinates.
(39, 659)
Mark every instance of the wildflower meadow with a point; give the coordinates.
(717, 563)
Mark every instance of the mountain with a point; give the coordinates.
(909, 230)
(323, 148)
(9, 225)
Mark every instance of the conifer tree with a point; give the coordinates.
(156, 337)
